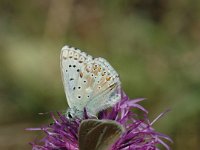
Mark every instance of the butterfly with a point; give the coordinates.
(89, 83)
(98, 134)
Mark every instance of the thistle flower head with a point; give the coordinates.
(139, 133)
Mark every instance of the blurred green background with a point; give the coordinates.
(153, 44)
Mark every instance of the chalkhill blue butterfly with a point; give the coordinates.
(89, 83)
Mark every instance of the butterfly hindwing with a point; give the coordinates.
(98, 134)
(103, 83)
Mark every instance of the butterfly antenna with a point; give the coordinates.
(49, 112)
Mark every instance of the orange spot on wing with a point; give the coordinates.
(108, 78)
(81, 74)
(99, 69)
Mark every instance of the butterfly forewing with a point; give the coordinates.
(98, 134)
(90, 83)
(73, 62)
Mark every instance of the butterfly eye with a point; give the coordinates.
(69, 115)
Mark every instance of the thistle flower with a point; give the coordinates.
(139, 133)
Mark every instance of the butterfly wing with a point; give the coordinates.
(73, 62)
(98, 134)
(106, 85)
(88, 82)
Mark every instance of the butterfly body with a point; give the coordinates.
(89, 82)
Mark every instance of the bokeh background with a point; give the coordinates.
(154, 45)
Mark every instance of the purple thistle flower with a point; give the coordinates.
(138, 135)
